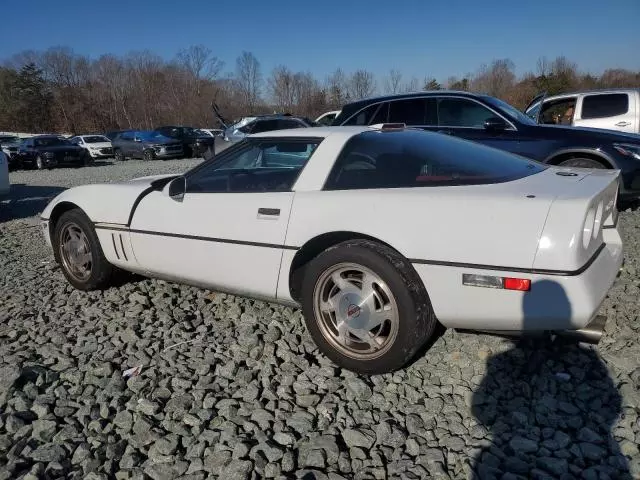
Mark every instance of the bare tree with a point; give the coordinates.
(392, 81)
(361, 84)
(201, 65)
(496, 79)
(337, 89)
(412, 85)
(249, 78)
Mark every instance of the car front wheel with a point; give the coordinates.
(366, 307)
(78, 251)
(149, 155)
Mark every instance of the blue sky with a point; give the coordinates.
(418, 37)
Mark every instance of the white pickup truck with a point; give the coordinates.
(611, 109)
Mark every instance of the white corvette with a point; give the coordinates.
(377, 232)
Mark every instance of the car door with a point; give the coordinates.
(26, 151)
(124, 142)
(611, 111)
(228, 230)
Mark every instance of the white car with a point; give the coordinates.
(377, 232)
(98, 146)
(5, 184)
(611, 109)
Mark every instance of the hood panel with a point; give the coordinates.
(105, 203)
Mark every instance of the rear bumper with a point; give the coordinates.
(554, 302)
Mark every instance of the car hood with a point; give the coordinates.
(99, 145)
(161, 141)
(593, 133)
(106, 202)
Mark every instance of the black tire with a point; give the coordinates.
(416, 319)
(87, 159)
(149, 155)
(101, 271)
(118, 155)
(581, 162)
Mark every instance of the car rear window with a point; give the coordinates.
(605, 105)
(411, 158)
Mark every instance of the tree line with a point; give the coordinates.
(58, 90)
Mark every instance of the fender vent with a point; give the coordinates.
(119, 243)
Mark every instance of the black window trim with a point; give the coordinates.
(583, 96)
(247, 143)
(511, 126)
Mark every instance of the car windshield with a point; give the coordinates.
(50, 141)
(510, 110)
(95, 139)
(8, 139)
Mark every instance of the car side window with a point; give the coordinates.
(265, 126)
(363, 117)
(412, 111)
(461, 112)
(605, 105)
(560, 111)
(126, 136)
(259, 166)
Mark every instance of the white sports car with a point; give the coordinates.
(377, 232)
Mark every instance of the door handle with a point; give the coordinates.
(269, 212)
(623, 124)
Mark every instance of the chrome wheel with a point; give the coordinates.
(75, 252)
(356, 311)
(39, 163)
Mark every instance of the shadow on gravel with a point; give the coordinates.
(549, 407)
(26, 201)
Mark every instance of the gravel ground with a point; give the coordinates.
(235, 388)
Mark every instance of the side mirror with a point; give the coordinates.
(177, 188)
(495, 124)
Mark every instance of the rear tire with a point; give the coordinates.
(118, 156)
(582, 163)
(77, 250)
(366, 307)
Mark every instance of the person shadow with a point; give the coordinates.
(548, 405)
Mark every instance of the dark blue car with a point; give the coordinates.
(491, 121)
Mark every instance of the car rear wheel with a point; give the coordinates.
(366, 307)
(118, 155)
(78, 252)
(582, 163)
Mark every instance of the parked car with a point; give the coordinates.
(5, 184)
(377, 233)
(610, 109)
(145, 144)
(493, 122)
(98, 146)
(263, 123)
(327, 118)
(212, 132)
(10, 145)
(49, 151)
(194, 143)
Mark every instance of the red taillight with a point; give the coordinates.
(521, 284)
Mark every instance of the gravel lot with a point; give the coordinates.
(235, 388)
